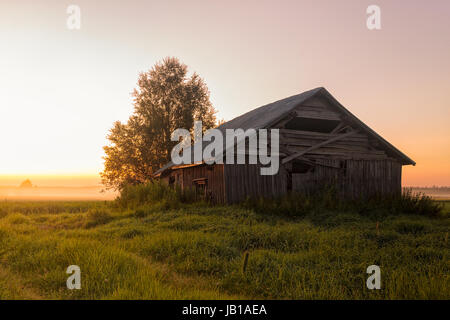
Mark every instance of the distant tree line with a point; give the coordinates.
(433, 188)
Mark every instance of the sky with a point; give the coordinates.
(61, 89)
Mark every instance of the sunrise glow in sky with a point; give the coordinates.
(61, 89)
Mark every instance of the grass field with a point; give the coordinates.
(197, 252)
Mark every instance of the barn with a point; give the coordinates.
(320, 143)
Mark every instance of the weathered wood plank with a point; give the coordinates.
(318, 114)
(297, 154)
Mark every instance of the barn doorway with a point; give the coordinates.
(299, 176)
(200, 186)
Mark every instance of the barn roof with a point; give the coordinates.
(263, 116)
(268, 114)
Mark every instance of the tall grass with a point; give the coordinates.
(156, 194)
(418, 203)
(160, 196)
(328, 199)
(213, 252)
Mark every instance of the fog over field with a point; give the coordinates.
(53, 188)
(55, 193)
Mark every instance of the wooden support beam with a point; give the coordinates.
(298, 154)
(314, 163)
(341, 126)
(315, 134)
(307, 161)
(322, 115)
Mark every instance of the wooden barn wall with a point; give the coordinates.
(214, 176)
(355, 178)
(243, 181)
(352, 178)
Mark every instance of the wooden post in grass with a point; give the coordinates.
(378, 230)
(244, 265)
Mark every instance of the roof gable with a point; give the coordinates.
(393, 151)
(265, 116)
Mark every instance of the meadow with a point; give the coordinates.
(171, 250)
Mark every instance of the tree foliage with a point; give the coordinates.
(165, 99)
